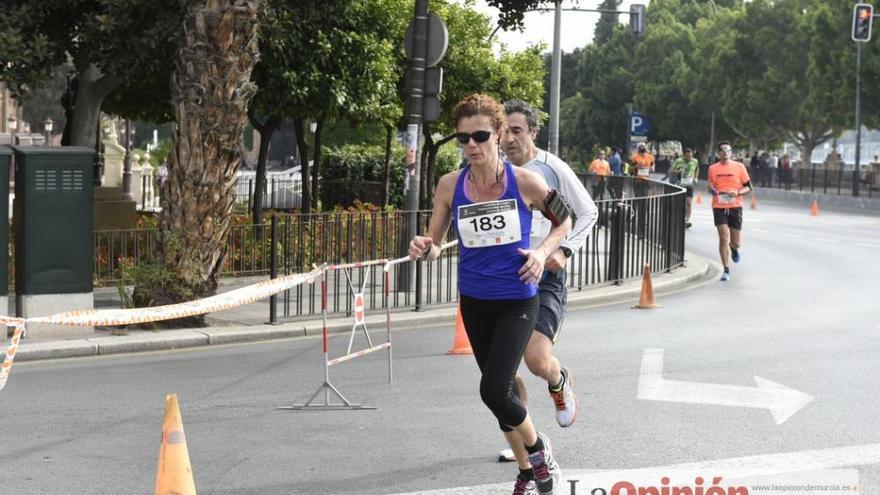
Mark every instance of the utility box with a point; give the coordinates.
(5, 159)
(52, 217)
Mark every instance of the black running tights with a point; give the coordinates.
(499, 332)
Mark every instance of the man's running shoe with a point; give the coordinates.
(565, 400)
(734, 255)
(725, 276)
(523, 486)
(506, 455)
(548, 476)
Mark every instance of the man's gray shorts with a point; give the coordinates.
(552, 295)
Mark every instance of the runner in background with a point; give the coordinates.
(728, 182)
(601, 169)
(686, 169)
(643, 165)
(519, 145)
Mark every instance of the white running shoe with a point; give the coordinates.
(506, 455)
(565, 401)
(548, 476)
(524, 487)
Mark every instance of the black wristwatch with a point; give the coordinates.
(566, 251)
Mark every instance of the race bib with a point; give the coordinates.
(643, 172)
(687, 181)
(726, 198)
(493, 223)
(540, 225)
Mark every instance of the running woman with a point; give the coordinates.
(728, 182)
(490, 204)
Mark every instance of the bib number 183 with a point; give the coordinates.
(486, 223)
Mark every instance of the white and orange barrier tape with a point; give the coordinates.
(112, 317)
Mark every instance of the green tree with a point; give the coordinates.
(606, 23)
(110, 44)
(469, 67)
(325, 60)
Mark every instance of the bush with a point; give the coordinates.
(357, 163)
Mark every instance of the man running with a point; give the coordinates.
(686, 168)
(728, 182)
(519, 145)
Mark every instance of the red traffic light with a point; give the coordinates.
(863, 17)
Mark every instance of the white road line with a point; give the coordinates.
(732, 468)
(793, 236)
(760, 231)
(862, 244)
(823, 239)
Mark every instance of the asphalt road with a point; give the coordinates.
(802, 310)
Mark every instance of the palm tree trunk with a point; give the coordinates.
(211, 89)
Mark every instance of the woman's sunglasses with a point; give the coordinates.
(477, 136)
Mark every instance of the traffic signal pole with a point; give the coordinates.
(863, 19)
(414, 119)
(856, 174)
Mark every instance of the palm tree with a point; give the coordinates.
(211, 89)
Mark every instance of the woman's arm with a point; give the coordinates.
(429, 246)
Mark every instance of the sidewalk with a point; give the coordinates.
(695, 271)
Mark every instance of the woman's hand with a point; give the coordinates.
(419, 246)
(533, 269)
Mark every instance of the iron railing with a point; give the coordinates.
(640, 222)
(837, 181)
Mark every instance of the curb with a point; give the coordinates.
(696, 270)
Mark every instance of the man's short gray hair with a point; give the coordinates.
(519, 106)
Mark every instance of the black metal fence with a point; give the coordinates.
(640, 222)
(818, 180)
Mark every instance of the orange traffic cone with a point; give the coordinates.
(699, 199)
(174, 473)
(461, 344)
(754, 205)
(814, 210)
(646, 299)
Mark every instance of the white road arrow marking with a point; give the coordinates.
(781, 401)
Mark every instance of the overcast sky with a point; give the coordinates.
(577, 27)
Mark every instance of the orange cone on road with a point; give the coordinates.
(461, 344)
(699, 199)
(646, 299)
(754, 205)
(814, 210)
(174, 473)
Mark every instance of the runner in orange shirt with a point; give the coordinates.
(728, 182)
(643, 165)
(643, 162)
(600, 168)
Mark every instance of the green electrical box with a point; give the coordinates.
(5, 158)
(53, 217)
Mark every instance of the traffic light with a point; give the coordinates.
(863, 17)
(637, 19)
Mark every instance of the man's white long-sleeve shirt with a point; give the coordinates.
(560, 176)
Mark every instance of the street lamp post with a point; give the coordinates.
(126, 163)
(98, 164)
(13, 125)
(47, 126)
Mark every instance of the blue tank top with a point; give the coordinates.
(491, 272)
